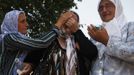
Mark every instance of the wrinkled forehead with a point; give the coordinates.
(106, 2)
(117, 4)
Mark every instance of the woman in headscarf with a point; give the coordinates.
(85, 51)
(114, 40)
(15, 45)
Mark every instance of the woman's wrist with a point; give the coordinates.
(58, 25)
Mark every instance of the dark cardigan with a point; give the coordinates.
(86, 54)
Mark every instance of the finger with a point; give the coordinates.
(72, 20)
(91, 30)
(67, 15)
(19, 72)
(91, 34)
(105, 31)
(93, 27)
(25, 72)
(26, 66)
(67, 24)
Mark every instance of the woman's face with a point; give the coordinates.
(22, 23)
(106, 10)
(71, 25)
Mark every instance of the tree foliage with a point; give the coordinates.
(41, 14)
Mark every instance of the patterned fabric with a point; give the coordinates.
(52, 63)
(117, 58)
(71, 62)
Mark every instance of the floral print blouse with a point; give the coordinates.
(117, 58)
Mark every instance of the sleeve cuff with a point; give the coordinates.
(58, 31)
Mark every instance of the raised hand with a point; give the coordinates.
(99, 35)
(62, 19)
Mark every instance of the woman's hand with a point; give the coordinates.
(27, 69)
(62, 19)
(99, 35)
(72, 25)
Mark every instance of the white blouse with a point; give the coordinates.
(117, 58)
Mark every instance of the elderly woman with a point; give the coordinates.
(115, 41)
(15, 45)
(86, 51)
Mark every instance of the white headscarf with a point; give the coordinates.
(114, 26)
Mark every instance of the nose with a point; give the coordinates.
(104, 9)
(26, 25)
